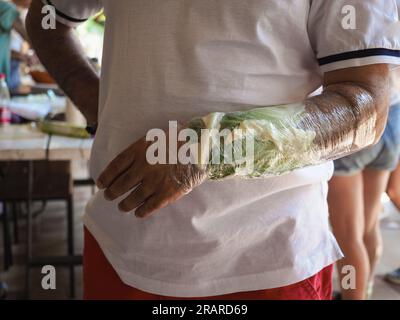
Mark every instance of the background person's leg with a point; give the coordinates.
(393, 188)
(393, 191)
(346, 208)
(375, 182)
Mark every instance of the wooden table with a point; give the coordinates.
(26, 143)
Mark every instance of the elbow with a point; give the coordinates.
(371, 107)
(372, 122)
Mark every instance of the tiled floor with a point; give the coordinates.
(49, 238)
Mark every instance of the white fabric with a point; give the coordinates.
(173, 60)
(73, 12)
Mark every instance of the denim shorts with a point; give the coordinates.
(382, 156)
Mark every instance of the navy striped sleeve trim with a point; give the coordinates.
(359, 54)
(65, 16)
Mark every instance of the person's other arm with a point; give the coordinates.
(60, 52)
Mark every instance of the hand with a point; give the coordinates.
(156, 186)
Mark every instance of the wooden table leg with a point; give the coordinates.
(29, 230)
(71, 246)
(7, 237)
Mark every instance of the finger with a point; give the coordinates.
(125, 182)
(136, 198)
(157, 202)
(151, 205)
(117, 166)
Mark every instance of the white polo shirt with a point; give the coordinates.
(176, 59)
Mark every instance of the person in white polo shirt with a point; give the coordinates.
(236, 238)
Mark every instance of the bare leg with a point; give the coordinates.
(375, 183)
(346, 208)
(393, 189)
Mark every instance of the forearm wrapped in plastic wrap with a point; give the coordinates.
(338, 122)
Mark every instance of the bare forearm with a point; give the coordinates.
(61, 53)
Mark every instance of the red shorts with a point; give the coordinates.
(100, 282)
